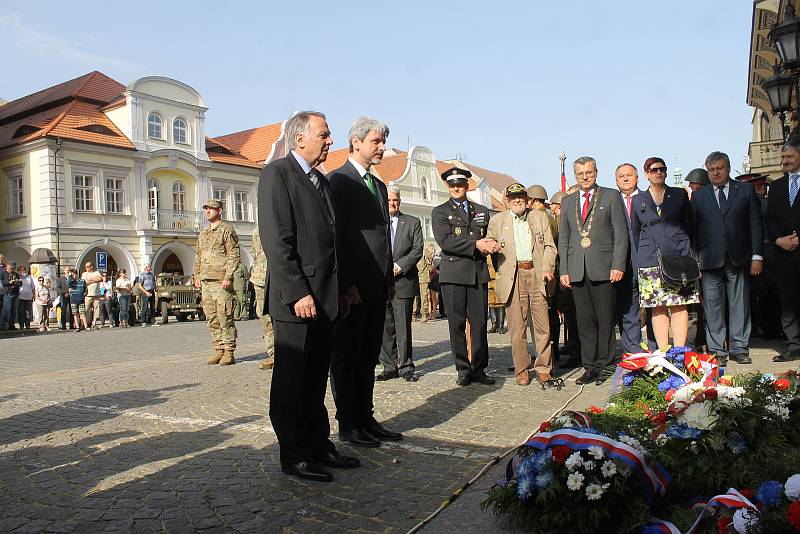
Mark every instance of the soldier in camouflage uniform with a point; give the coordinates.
(424, 266)
(258, 275)
(216, 259)
(240, 277)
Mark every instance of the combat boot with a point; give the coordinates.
(268, 363)
(215, 359)
(227, 359)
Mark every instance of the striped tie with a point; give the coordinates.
(793, 190)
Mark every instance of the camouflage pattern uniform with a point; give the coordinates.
(258, 275)
(215, 260)
(240, 277)
(425, 266)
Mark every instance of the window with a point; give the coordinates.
(179, 131)
(222, 196)
(428, 227)
(154, 124)
(153, 188)
(115, 195)
(179, 196)
(424, 185)
(242, 206)
(16, 199)
(84, 192)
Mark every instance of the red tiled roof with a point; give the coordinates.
(335, 159)
(390, 169)
(220, 153)
(254, 144)
(498, 180)
(94, 86)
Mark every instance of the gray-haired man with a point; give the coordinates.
(362, 222)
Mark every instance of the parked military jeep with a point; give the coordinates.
(177, 296)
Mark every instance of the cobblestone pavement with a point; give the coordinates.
(129, 430)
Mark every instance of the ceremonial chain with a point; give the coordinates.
(586, 242)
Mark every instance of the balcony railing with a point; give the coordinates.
(765, 154)
(189, 222)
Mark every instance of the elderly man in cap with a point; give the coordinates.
(525, 264)
(216, 259)
(459, 227)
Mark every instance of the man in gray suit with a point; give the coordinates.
(593, 247)
(405, 236)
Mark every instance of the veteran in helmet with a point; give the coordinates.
(215, 261)
(526, 262)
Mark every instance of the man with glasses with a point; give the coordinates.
(92, 278)
(593, 247)
(729, 245)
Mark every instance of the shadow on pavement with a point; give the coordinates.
(79, 413)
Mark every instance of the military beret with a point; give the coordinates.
(455, 175)
(537, 192)
(515, 189)
(213, 203)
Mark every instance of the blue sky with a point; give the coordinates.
(505, 84)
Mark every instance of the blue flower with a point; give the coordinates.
(673, 382)
(544, 479)
(682, 431)
(736, 443)
(767, 378)
(770, 493)
(502, 483)
(525, 486)
(628, 379)
(540, 459)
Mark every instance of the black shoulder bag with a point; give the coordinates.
(675, 270)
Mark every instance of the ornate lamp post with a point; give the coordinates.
(785, 37)
(779, 90)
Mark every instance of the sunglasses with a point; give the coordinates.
(658, 170)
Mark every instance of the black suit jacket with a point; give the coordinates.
(734, 232)
(456, 233)
(782, 220)
(298, 232)
(407, 251)
(363, 225)
(671, 230)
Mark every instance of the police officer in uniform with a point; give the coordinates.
(459, 227)
(258, 275)
(216, 259)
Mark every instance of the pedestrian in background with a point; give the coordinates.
(146, 284)
(9, 285)
(77, 300)
(61, 288)
(124, 288)
(106, 296)
(44, 301)
(25, 302)
(92, 278)
(258, 277)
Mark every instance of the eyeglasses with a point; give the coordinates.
(658, 170)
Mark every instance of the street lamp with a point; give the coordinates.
(786, 36)
(779, 89)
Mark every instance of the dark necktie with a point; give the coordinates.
(793, 190)
(465, 207)
(723, 200)
(315, 179)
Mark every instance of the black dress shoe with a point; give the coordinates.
(359, 437)
(587, 377)
(787, 356)
(410, 376)
(308, 471)
(741, 358)
(483, 378)
(376, 429)
(722, 360)
(339, 461)
(387, 375)
(464, 380)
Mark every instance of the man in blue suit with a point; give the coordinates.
(730, 248)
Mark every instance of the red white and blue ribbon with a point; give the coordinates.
(656, 525)
(732, 500)
(654, 479)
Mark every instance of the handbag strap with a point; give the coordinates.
(650, 231)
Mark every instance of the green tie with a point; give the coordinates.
(371, 185)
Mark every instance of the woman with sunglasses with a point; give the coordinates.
(44, 301)
(662, 222)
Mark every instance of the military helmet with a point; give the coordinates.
(537, 192)
(698, 176)
(557, 197)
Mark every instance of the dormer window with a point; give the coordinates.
(180, 131)
(154, 126)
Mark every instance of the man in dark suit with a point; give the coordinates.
(593, 246)
(367, 274)
(459, 227)
(405, 234)
(297, 225)
(628, 312)
(782, 227)
(730, 248)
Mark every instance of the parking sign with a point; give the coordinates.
(102, 260)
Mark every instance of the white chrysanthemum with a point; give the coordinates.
(608, 469)
(781, 411)
(700, 415)
(594, 492)
(661, 440)
(575, 481)
(792, 488)
(633, 442)
(596, 452)
(588, 465)
(565, 421)
(744, 519)
(574, 461)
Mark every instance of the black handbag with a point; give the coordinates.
(675, 270)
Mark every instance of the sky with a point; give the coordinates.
(505, 85)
